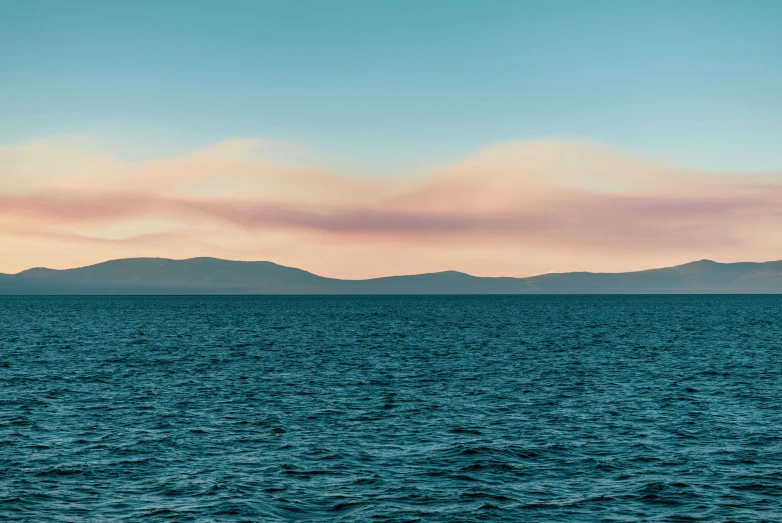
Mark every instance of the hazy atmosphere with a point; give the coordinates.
(360, 139)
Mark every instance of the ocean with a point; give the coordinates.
(399, 409)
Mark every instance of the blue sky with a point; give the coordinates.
(401, 83)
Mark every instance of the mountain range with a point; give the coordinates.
(215, 276)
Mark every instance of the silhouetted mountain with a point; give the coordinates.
(214, 276)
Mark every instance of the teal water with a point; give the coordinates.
(524, 408)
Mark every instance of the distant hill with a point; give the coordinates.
(215, 276)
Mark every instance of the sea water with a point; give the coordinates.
(537, 408)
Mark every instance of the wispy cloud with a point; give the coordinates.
(517, 208)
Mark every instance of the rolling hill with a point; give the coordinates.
(215, 276)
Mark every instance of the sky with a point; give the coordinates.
(359, 139)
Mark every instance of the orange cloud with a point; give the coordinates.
(513, 209)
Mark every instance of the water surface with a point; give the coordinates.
(523, 408)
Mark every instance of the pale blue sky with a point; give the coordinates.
(400, 82)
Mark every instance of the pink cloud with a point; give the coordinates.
(524, 204)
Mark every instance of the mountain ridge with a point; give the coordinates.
(207, 275)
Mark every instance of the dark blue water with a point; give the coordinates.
(391, 408)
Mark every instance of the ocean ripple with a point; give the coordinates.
(496, 408)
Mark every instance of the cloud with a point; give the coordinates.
(515, 208)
